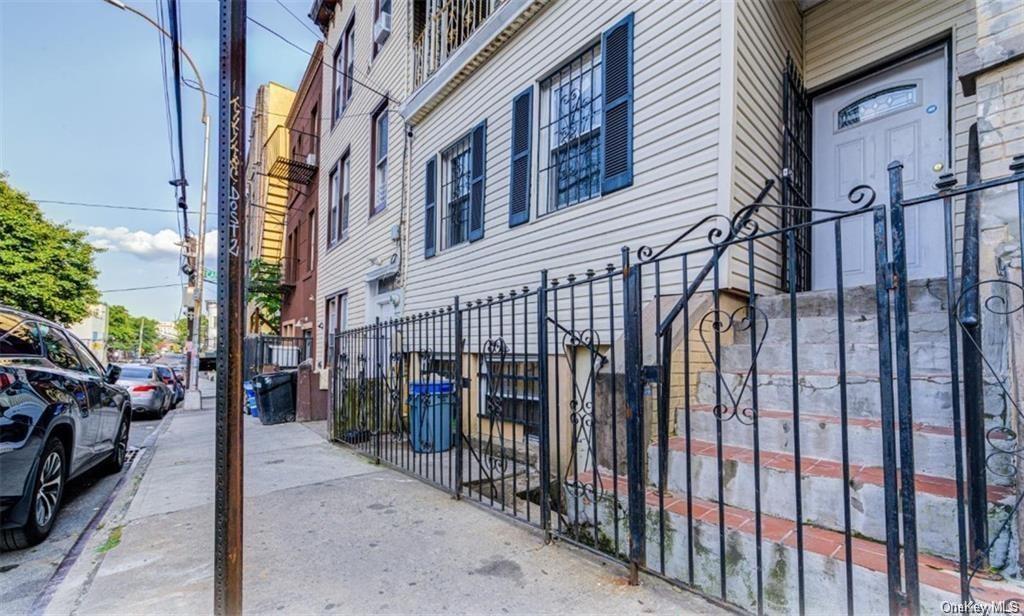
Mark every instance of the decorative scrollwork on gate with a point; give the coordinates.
(583, 455)
(495, 355)
(362, 402)
(393, 386)
(723, 230)
(752, 320)
(1006, 451)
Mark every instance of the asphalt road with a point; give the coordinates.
(24, 573)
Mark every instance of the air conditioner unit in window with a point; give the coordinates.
(382, 28)
(311, 159)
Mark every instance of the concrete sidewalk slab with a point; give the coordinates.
(328, 531)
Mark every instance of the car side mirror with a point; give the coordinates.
(112, 373)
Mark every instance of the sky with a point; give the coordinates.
(83, 119)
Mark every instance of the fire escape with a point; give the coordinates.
(291, 168)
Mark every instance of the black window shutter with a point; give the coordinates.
(617, 120)
(430, 209)
(519, 176)
(478, 158)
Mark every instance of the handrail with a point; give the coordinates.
(747, 214)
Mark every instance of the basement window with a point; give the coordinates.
(509, 391)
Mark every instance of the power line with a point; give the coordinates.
(301, 21)
(191, 83)
(163, 69)
(310, 54)
(175, 17)
(156, 286)
(138, 208)
(110, 206)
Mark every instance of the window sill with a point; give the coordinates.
(339, 242)
(376, 213)
(567, 208)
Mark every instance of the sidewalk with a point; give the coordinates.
(328, 531)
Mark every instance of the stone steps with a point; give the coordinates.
(924, 296)
(925, 357)
(924, 327)
(822, 495)
(821, 437)
(819, 393)
(824, 555)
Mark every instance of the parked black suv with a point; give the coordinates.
(60, 415)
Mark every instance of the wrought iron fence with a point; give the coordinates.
(278, 352)
(777, 452)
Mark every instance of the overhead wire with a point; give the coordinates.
(156, 286)
(167, 96)
(191, 83)
(174, 13)
(139, 208)
(301, 21)
(369, 87)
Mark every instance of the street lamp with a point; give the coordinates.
(192, 396)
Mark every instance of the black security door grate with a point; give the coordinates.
(796, 176)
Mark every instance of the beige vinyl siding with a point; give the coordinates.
(766, 33)
(844, 37)
(343, 267)
(677, 74)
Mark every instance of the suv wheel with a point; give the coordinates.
(117, 457)
(47, 492)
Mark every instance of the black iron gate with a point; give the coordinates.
(778, 452)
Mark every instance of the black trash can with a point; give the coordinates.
(275, 396)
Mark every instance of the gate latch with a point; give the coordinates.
(651, 374)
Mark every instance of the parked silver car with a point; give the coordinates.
(148, 391)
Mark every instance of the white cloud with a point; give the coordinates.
(143, 244)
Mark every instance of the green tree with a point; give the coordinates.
(182, 335)
(48, 268)
(150, 337)
(123, 331)
(264, 287)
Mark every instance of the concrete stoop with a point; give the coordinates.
(824, 555)
(821, 485)
(766, 447)
(821, 437)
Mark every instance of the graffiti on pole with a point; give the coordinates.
(235, 158)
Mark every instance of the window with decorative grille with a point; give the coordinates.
(570, 132)
(455, 192)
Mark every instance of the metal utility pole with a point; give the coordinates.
(230, 311)
(197, 301)
(191, 376)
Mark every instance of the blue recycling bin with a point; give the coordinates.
(430, 416)
(250, 399)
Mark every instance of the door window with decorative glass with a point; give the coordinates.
(570, 133)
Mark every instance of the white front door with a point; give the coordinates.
(898, 114)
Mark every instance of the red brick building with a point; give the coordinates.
(298, 164)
